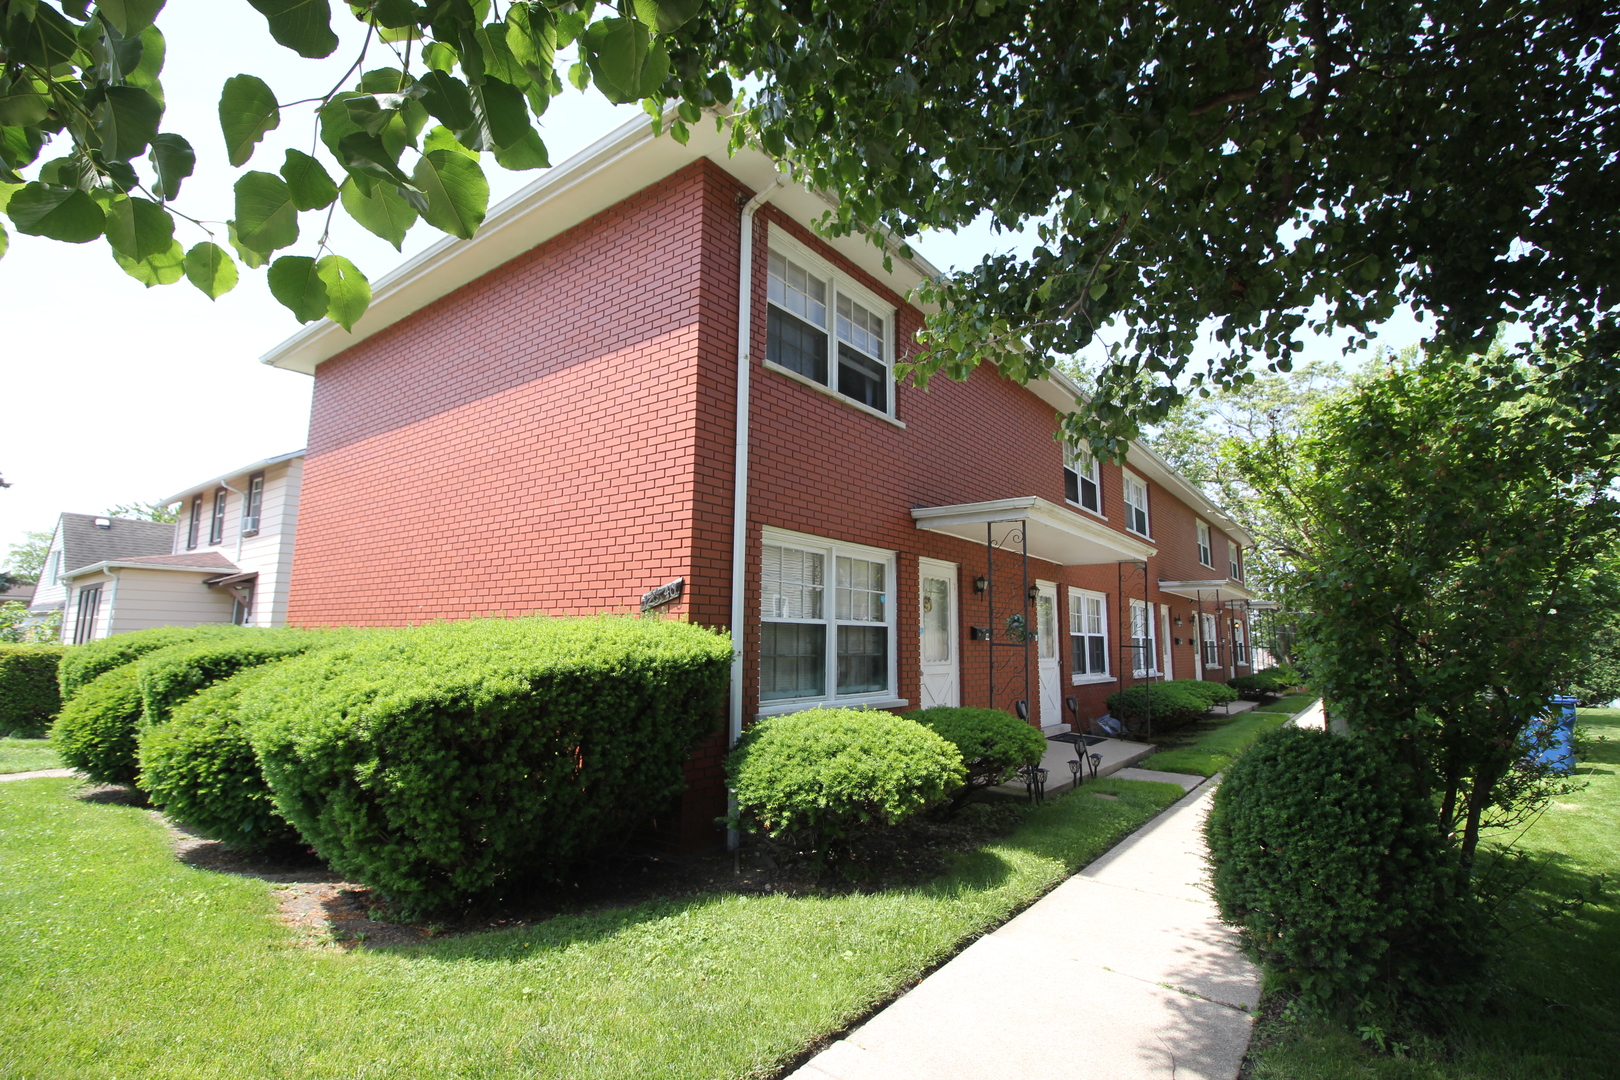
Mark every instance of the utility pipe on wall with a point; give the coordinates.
(739, 490)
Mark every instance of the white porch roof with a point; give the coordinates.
(1213, 591)
(1056, 534)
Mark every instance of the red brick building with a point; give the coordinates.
(545, 420)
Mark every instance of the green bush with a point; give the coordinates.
(1266, 683)
(438, 763)
(815, 778)
(28, 693)
(1166, 706)
(1213, 692)
(83, 664)
(173, 674)
(200, 769)
(992, 743)
(95, 731)
(1335, 873)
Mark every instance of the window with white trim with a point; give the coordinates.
(1088, 634)
(1234, 560)
(216, 526)
(1136, 505)
(1205, 554)
(194, 523)
(252, 504)
(828, 330)
(820, 647)
(1211, 643)
(1144, 648)
(1081, 481)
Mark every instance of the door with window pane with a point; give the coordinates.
(1046, 645)
(84, 624)
(936, 591)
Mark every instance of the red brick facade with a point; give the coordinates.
(557, 437)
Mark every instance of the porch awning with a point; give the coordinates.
(232, 579)
(1055, 534)
(1213, 591)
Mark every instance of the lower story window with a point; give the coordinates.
(1088, 632)
(826, 629)
(1144, 654)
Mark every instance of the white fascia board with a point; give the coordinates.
(119, 564)
(246, 470)
(612, 169)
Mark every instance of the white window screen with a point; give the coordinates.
(1046, 625)
(1142, 644)
(791, 583)
(1136, 514)
(860, 327)
(797, 291)
(1088, 633)
(860, 590)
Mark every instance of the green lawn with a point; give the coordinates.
(1292, 704)
(1215, 749)
(120, 961)
(26, 755)
(1557, 1013)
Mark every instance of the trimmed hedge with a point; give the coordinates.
(1265, 683)
(200, 769)
(174, 674)
(1166, 706)
(28, 693)
(437, 763)
(1336, 873)
(993, 744)
(815, 778)
(1213, 692)
(85, 663)
(95, 731)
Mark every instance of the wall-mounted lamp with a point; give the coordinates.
(1034, 593)
(980, 584)
(1178, 620)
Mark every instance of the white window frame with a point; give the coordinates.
(1151, 650)
(1240, 644)
(1077, 616)
(1209, 641)
(1206, 546)
(1234, 560)
(839, 285)
(1072, 456)
(830, 550)
(1125, 490)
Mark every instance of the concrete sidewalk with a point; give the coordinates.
(1123, 972)
(36, 774)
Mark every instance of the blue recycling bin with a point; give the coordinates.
(1561, 720)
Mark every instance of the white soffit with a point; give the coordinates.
(606, 173)
(1213, 591)
(1056, 535)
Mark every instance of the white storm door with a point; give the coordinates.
(1164, 642)
(936, 592)
(1046, 627)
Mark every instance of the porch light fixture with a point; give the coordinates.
(1178, 620)
(980, 584)
(1034, 593)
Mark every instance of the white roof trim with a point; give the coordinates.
(1055, 534)
(1215, 590)
(127, 564)
(245, 470)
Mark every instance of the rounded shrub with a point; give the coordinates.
(173, 674)
(1166, 706)
(28, 692)
(1213, 692)
(83, 664)
(438, 763)
(95, 731)
(1266, 683)
(814, 778)
(1336, 873)
(992, 744)
(200, 769)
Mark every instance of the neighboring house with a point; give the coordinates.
(545, 418)
(226, 560)
(20, 593)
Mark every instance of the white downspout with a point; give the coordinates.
(739, 490)
(243, 496)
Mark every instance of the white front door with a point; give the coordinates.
(1164, 642)
(1046, 629)
(936, 591)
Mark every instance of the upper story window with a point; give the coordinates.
(1088, 634)
(54, 568)
(252, 504)
(1205, 554)
(194, 522)
(1136, 505)
(826, 624)
(828, 330)
(1081, 482)
(216, 527)
(1234, 561)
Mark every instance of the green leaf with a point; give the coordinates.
(505, 113)
(397, 14)
(247, 109)
(667, 16)
(129, 17)
(58, 213)
(363, 154)
(528, 152)
(382, 211)
(5, 241)
(498, 59)
(23, 102)
(266, 217)
(579, 76)
(440, 138)
(457, 193)
(439, 56)
(531, 34)
(347, 290)
(174, 160)
(138, 228)
(250, 258)
(295, 282)
(210, 269)
(304, 26)
(20, 146)
(446, 98)
(311, 185)
(626, 63)
(127, 121)
(160, 268)
(45, 39)
(6, 192)
(153, 50)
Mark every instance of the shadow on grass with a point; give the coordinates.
(112, 795)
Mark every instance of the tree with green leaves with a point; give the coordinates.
(1192, 169)
(1451, 522)
(26, 559)
(146, 511)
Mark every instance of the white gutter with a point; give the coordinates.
(739, 490)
